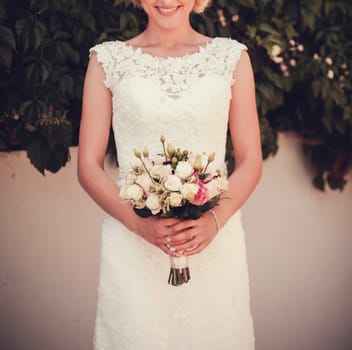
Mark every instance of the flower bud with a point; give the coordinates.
(162, 139)
(137, 153)
(170, 150)
(179, 155)
(211, 157)
(145, 152)
(198, 162)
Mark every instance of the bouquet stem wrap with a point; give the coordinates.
(179, 270)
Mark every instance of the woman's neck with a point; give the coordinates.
(154, 36)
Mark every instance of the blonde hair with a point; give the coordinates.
(199, 5)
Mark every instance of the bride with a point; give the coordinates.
(174, 81)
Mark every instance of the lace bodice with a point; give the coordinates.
(185, 98)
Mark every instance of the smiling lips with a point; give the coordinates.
(167, 11)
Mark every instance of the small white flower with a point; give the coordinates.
(328, 61)
(316, 57)
(277, 59)
(283, 67)
(134, 192)
(175, 199)
(275, 50)
(183, 170)
(292, 42)
(188, 191)
(235, 18)
(300, 48)
(173, 183)
(293, 62)
(222, 18)
(330, 74)
(153, 203)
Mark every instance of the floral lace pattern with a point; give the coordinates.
(187, 99)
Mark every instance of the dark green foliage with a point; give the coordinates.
(301, 53)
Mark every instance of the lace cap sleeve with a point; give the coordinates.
(233, 55)
(105, 57)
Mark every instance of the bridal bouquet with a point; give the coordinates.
(176, 184)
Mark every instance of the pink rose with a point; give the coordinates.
(201, 196)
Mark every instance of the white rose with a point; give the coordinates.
(123, 192)
(160, 171)
(183, 170)
(212, 188)
(130, 179)
(173, 183)
(144, 181)
(134, 192)
(153, 203)
(216, 186)
(175, 199)
(223, 184)
(188, 191)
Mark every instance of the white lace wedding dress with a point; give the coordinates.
(187, 99)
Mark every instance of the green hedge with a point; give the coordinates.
(301, 53)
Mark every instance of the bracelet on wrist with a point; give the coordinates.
(212, 212)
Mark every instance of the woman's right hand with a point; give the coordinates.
(156, 231)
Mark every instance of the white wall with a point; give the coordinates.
(298, 241)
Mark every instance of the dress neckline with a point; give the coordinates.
(139, 51)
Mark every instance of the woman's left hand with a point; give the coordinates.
(190, 237)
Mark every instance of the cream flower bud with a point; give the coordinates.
(198, 162)
(170, 149)
(162, 138)
(300, 48)
(145, 152)
(173, 183)
(137, 153)
(183, 169)
(175, 199)
(153, 203)
(211, 157)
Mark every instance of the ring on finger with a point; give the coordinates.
(172, 249)
(193, 248)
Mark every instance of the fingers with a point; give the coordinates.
(183, 225)
(197, 249)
